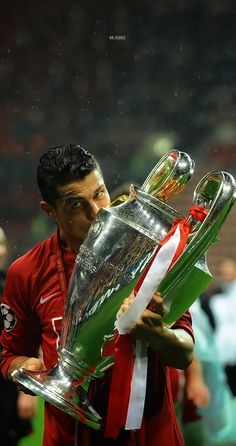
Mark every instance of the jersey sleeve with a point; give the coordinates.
(21, 333)
(185, 323)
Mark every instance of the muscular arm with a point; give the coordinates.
(174, 345)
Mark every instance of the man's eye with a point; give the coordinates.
(99, 194)
(76, 204)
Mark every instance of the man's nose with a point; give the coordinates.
(93, 209)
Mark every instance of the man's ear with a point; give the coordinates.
(48, 209)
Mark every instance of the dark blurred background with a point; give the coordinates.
(127, 80)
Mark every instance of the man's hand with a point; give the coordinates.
(151, 319)
(156, 304)
(126, 304)
(33, 364)
(175, 346)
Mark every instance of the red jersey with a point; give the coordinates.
(34, 295)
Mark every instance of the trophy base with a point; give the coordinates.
(62, 391)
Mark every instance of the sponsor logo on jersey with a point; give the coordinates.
(45, 298)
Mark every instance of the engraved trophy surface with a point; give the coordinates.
(111, 260)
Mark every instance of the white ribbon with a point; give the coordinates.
(126, 321)
(138, 388)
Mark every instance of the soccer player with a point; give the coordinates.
(73, 190)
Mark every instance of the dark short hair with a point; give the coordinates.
(62, 165)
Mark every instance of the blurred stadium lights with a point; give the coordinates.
(162, 144)
(153, 147)
(225, 132)
(159, 143)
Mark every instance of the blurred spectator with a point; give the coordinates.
(3, 253)
(205, 304)
(214, 423)
(223, 307)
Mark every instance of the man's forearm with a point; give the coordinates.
(194, 371)
(175, 347)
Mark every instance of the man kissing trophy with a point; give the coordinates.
(142, 244)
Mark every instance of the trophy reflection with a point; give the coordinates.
(119, 245)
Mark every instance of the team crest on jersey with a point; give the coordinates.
(9, 317)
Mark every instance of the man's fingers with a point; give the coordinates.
(34, 364)
(126, 304)
(156, 304)
(149, 318)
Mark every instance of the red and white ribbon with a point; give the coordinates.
(128, 388)
(162, 259)
(158, 269)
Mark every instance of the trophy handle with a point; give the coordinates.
(189, 276)
(169, 176)
(215, 192)
(167, 179)
(118, 200)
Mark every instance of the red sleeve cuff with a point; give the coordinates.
(5, 365)
(185, 323)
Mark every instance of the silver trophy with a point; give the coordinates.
(111, 260)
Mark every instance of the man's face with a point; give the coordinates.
(78, 205)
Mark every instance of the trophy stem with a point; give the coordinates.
(64, 387)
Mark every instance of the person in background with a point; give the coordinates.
(223, 308)
(209, 419)
(189, 394)
(16, 408)
(73, 190)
